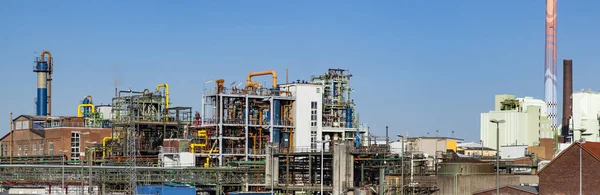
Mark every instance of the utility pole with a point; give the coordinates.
(12, 135)
(402, 156)
(497, 153)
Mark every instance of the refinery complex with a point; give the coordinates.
(293, 137)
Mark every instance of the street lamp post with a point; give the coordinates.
(204, 85)
(402, 156)
(90, 162)
(322, 162)
(63, 167)
(497, 153)
(81, 143)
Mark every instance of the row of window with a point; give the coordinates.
(24, 149)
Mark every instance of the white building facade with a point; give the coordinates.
(524, 124)
(586, 112)
(308, 109)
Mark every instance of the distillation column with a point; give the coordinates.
(43, 68)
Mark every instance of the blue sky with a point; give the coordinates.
(419, 66)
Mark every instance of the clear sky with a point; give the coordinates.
(418, 65)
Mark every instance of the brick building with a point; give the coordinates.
(577, 164)
(39, 136)
(512, 190)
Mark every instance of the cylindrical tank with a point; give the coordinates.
(348, 117)
(42, 88)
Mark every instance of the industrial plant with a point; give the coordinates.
(301, 136)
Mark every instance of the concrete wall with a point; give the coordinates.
(467, 184)
(499, 98)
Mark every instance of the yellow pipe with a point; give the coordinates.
(80, 113)
(208, 157)
(268, 72)
(166, 86)
(104, 144)
(201, 133)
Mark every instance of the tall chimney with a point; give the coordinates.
(567, 96)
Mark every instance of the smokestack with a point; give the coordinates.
(567, 96)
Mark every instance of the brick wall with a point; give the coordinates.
(59, 138)
(504, 191)
(562, 175)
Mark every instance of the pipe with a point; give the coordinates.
(104, 140)
(268, 72)
(80, 113)
(166, 86)
(88, 97)
(48, 78)
(202, 134)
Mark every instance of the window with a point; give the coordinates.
(42, 148)
(34, 149)
(313, 114)
(75, 145)
(19, 152)
(25, 124)
(50, 148)
(318, 90)
(25, 149)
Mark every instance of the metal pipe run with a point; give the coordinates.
(268, 72)
(166, 86)
(80, 113)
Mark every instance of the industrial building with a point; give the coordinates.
(574, 171)
(585, 121)
(525, 122)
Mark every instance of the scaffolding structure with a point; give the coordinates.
(339, 120)
(236, 124)
(141, 121)
(115, 179)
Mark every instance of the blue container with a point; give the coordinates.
(167, 190)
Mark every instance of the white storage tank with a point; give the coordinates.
(106, 111)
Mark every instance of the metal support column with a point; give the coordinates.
(246, 120)
(220, 110)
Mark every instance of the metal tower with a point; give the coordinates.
(43, 68)
(550, 64)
